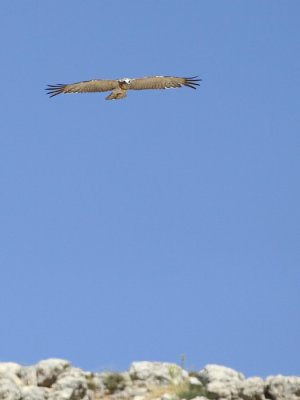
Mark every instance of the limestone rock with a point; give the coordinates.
(28, 375)
(47, 371)
(193, 380)
(253, 388)
(136, 391)
(168, 396)
(283, 388)
(157, 373)
(200, 398)
(11, 371)
(212, 372)
(221, 382)
(56, 379)
(9, 390)
(9, 368)
(70, 385)
(34, 393)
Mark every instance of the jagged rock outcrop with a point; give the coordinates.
(157, 373)
(57, 379)
(9, 390)
(253, 388)
(48, 371)
(282, 388)
(221, 382)
(34, 393)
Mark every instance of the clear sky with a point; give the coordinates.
(164, 224)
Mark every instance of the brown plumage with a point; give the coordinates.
(119, 87)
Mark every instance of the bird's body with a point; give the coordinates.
(119, 87)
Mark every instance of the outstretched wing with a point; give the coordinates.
(99, 85)
(163, 82)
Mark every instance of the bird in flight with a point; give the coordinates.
(119, 87)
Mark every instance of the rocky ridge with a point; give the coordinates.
(56, 379)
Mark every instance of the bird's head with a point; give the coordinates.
(124, 83)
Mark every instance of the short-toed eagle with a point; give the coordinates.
(119, 87)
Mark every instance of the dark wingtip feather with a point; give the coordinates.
(54, 90)
(192, 82)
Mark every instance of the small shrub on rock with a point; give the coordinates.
(189, 392)
(114, 382)
(91, 384)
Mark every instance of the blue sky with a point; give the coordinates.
(164, 224)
